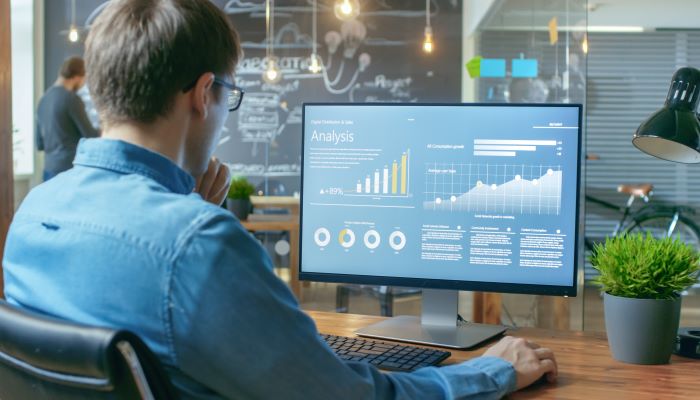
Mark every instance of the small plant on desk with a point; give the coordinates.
(238, 199)
(642, 278)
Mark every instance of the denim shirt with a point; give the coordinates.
(121, 241)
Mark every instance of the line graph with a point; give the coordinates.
(493, 188)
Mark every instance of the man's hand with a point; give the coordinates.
(529, 359)
(213, 185)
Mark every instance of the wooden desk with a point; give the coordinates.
(292, 226)
(289, 202)
(586, 368)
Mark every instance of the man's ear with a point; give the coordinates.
(201, 95)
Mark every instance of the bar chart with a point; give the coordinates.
(512, 147)
(390, 180)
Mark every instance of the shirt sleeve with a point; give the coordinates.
(81, 120)
(238, 330)
(38, 136)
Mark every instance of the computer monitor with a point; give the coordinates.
(443, 197)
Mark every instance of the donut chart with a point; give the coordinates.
(372, 239)
(346, 238)
(322, 237)
(397, 240)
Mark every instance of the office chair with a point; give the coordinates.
(47, 358)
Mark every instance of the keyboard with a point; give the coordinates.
(384, 355)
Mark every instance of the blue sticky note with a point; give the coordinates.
(524, 68)
(493, 68)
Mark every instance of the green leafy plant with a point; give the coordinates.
(240, 188)
(644, 267)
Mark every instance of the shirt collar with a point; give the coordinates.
(127, 158)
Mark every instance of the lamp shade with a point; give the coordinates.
(673, 132)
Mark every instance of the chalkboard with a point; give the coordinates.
(374, 57)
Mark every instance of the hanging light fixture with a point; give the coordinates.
(315, 61)
(272, 73)
(584, 43)
(315, 64)
(428, 45)
(73, 34)
(346, 9)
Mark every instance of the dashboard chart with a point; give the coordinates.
(376, 177)
(477, 193)
(521, 189)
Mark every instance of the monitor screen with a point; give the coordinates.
(455, 196)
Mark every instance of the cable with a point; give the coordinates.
(267, 28)
(427, 13)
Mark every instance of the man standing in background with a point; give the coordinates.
(62, 120)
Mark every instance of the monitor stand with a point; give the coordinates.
(437, 326)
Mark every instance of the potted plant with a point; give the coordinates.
(642, 278)
(238, 198)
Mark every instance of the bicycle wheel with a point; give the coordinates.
(658, 225)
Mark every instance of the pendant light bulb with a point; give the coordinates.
(315, 64)
(272, 73)
(73, 34)
(346, 9)
(584, 44)
(315, 60)
(428, 45)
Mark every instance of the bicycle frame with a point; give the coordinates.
(642, 212)
(673, 215)
(625, 211)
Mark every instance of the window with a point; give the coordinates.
(23, 85)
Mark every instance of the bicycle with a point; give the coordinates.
(660, 219)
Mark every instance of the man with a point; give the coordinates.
(61, 119)
(124, 241)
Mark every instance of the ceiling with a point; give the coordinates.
(649, 14)
(599, 14)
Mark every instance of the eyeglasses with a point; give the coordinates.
(234, 95)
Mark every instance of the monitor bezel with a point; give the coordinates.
(480, 286)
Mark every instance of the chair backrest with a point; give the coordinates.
(47, 358)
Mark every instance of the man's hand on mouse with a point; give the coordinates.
(529, 360)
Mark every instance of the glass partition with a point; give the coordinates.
(532, 52)
(22, 31)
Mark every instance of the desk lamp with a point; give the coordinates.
(673, 134)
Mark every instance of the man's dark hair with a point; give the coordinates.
(141, 53)
(72, 67)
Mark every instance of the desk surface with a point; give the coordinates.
(292, 203)
(272, 225)
(586, 368)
